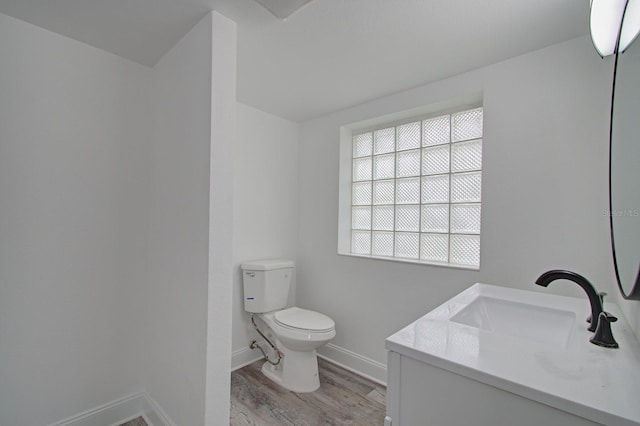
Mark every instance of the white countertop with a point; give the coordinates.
(599, 384)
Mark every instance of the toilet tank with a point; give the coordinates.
(266, 284)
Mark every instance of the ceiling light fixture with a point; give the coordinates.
(283, 8)
(614, 25)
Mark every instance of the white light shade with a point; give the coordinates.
(606, 21)
(630, 25)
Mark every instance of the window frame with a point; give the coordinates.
(347, 134)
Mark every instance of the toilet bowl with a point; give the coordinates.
(298, 332)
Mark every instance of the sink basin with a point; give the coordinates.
(531, 322)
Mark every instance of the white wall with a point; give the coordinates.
(73, 185)
(221, 196)
(544, 193)
(176, 302)
(188, 299)
(265, 204)
(116, 183)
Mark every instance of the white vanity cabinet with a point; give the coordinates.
(485, 358)
(420, 394)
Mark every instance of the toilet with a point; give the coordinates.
(298, 332)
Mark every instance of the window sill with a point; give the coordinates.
(413, 261)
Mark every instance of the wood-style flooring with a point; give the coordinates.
(344, 398)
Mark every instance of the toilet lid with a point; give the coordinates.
(304, 319)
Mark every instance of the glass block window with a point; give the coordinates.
(416, 190)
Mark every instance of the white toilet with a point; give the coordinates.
(298, 332)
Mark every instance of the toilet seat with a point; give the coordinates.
(304, 320)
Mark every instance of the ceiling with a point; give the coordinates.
(331, 54)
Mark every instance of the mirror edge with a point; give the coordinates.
(634, 294)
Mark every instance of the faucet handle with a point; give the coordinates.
(601, 295)
(603, 335)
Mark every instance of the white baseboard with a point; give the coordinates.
(365, 367)
(243, 357)
(346, 359)
(120, 411)
(155, 415)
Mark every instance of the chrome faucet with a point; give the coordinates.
(594, 298)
